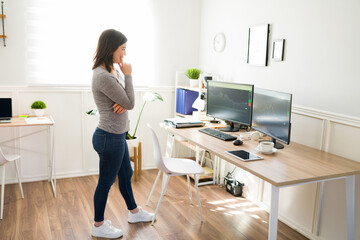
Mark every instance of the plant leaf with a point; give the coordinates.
(92, 112)
(193, 73)
(152, 96)
(128, 136)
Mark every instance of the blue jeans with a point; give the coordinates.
(114, 161)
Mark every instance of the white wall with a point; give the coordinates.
(177, 27)
(320, 68)
(321, 48)
(12, 57)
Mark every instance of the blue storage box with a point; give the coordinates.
(184, 101)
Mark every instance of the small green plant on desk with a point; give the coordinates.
(38, 107)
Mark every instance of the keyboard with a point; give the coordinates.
(216, 133)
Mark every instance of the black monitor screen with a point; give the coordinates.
(5, 107)
(272, 114)
(230, 101)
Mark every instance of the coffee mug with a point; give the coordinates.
(266, 146)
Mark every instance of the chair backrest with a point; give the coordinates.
(159, 161)
(2, 158)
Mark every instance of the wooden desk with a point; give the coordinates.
(49, 123)
(294, 165)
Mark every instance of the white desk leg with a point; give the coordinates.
(2, 191)
(322, 184)
(49, 152)
(169, 145)
(274, 212)
(350, 205)
(221, 171)
(52, 159)
(197, 154)
(215, 169)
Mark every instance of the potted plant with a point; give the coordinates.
(193, 74)
(148, 97)
(38, 107)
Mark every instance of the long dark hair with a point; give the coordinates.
(108, 42)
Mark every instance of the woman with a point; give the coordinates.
(113, 96)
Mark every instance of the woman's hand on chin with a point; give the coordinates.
(125, 67)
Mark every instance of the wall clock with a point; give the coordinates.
(219, 42)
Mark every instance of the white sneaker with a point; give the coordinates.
(107, 230)
(140, 216)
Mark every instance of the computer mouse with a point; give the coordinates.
(237, 142)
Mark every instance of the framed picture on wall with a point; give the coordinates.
(278, 50)
(258, 45)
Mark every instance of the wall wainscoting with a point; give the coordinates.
(75, 156)
(328, 132)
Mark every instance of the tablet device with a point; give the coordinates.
(244, 155)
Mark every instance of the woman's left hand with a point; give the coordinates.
(118, 109)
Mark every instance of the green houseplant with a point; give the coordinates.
(193, 74)
(38, 108)
(148, 97)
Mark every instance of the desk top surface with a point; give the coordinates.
(21, 122)
(294, 164)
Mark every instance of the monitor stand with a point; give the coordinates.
(230, 127)
(277, 145)
(214, 121)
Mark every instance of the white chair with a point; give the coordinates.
(3, 160)
(173, 167)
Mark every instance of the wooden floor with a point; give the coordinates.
(69, 216)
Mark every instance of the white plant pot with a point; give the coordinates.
(39, 112)
(194, 82)
(131, 144)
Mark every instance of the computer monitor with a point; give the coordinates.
(231, 102)
(272, 115)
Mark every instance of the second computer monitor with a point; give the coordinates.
(230, 101)
(272, 114)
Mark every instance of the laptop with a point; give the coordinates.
(5, 110)
(184, 122)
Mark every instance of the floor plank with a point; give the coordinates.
(69, 216)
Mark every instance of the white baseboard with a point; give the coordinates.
(58, 176)
(290, 223)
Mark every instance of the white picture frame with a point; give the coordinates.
(278, 50)
(258, 45)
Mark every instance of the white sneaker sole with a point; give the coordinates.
(129, 221)
(106, 236)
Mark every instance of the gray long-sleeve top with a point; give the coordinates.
(107, 90)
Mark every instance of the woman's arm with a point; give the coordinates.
(118, 109)
(113, 90)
